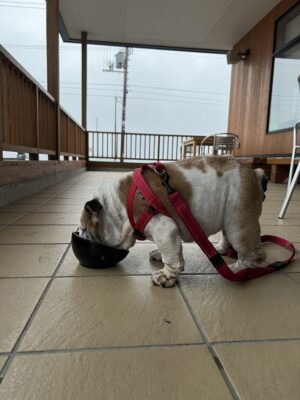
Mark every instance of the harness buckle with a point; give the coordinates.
(139, 235)
(164, 177)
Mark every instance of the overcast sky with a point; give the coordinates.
(168, 92)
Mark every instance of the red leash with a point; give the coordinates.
(154, 206)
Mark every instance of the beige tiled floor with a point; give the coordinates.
(69, 332)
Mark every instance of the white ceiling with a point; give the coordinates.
(193, 24)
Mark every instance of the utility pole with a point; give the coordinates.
(122, 59)
(125, 91)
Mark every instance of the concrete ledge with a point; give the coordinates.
(22, 178)
(24, 171)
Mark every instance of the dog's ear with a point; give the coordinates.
(92, 208)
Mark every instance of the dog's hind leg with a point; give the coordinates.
(164, 232)
(246, 241)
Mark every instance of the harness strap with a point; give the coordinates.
(154, 206)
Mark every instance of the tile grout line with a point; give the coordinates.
(211, 350)
(147, 346)
(249, 341)
(97, 275)
(29, 320)
(112, 275)
(102, 349)
(290, 276)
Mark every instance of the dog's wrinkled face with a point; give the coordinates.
(90, 218)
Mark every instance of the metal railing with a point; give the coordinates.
(144, 147)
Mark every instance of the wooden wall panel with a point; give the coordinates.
(250, 89)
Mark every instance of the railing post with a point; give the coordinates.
(84, 90)
(52, 28)
(158, 148)
(35, 156)
(122, 146)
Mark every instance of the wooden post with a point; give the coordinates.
(36, 157)
(84, 88)
(52, 21)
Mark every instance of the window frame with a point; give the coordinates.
(275, 54)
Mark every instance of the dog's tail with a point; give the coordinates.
(262, 181)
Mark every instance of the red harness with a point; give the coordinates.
(154, 206)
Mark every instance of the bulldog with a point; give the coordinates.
(222, 194)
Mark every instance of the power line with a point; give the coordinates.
(138, 91)
(148, 99)
(146, 87)
(179, 101)
(167, 95)
(178, 90)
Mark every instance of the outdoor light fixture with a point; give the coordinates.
(234, 56)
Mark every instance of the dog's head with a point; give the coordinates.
(90, 218)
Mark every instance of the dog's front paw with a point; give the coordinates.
(155, 255)
(163, 278)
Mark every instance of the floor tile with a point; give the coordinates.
(29, 260)
(63, 208)
(109, 311)
(44, 218)
(36, 234)
(263, 371)
(264, 308)
(2, 361)
(131, 374)
(9, 218)
(18, 298)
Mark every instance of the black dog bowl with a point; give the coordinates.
(92, 254)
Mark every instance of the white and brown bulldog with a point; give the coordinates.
(222, 194)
